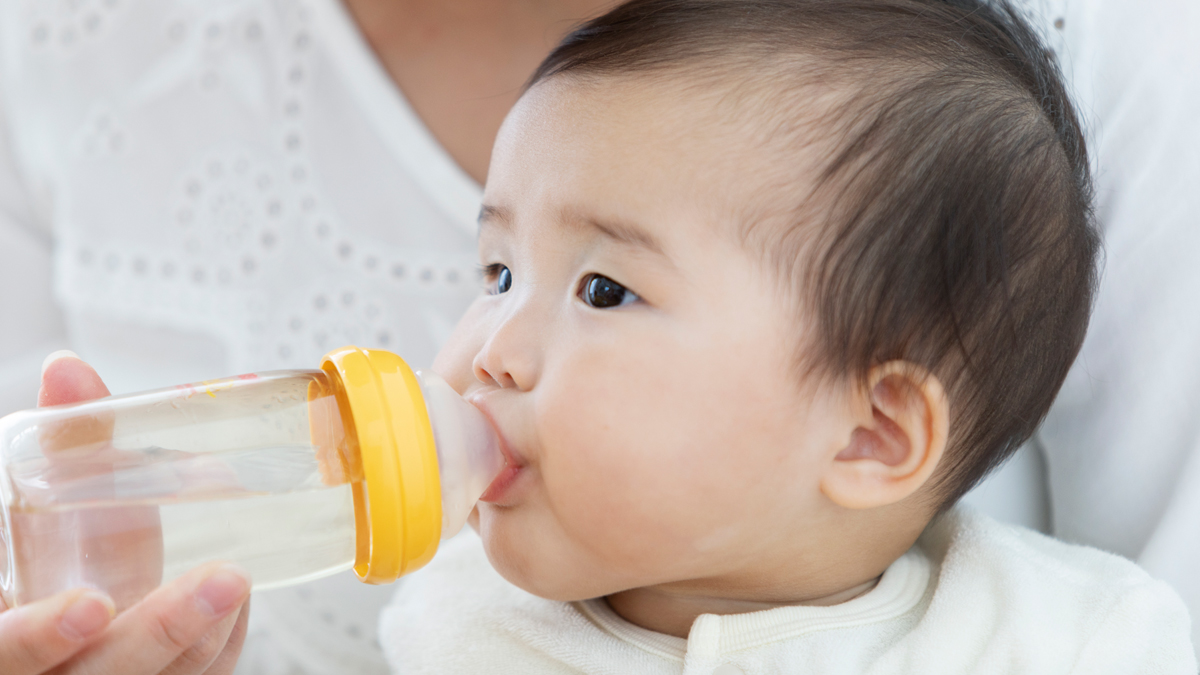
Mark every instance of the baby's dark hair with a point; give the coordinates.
(955, 228)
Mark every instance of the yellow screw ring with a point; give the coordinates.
(399, 513)
(420, 481)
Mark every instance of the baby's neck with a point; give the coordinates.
(673, 612)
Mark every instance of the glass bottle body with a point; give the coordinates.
(293, 475)
(128, 492)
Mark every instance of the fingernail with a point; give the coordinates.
(60, 354)
(223, 590)
(86, 616)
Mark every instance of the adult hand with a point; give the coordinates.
(192, 625)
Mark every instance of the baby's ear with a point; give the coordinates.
(890, 456)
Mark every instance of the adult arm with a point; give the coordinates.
(1122, 441)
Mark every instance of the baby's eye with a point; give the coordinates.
(601, 292)
(498, 277)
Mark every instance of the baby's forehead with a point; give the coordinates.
(753, 147)
(781, 104)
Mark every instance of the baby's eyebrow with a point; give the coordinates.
(621, 232)
(494, 214)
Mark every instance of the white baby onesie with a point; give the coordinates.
(974, 596)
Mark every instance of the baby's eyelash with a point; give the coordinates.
(490, 271)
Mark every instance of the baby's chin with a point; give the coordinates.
(540, 567)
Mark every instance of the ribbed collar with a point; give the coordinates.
(899, 590)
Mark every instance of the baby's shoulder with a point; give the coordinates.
(970, 547)
(1016, 593)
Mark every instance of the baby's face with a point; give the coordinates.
(637, 358)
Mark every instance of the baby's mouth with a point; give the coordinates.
(513, 461)
(496, 492)
(513, 466)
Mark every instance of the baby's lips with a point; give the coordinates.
(513, 461)
(512, 458)
(496, 491)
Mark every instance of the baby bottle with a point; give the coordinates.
(293, 475)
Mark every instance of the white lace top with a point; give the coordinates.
(197, 188)
(229, 186)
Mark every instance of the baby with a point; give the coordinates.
(771, 284)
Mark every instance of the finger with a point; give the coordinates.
(228, 657)
(67, 379)
(222, 650)
(153, 633)
(201, 657)
(43, 634)
(122, 551)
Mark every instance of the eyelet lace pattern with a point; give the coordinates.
(211, 172)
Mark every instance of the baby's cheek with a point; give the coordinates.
(615, 500)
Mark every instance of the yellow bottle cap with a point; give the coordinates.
(398, 504)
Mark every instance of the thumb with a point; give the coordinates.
(43, 634)
(67, 379)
